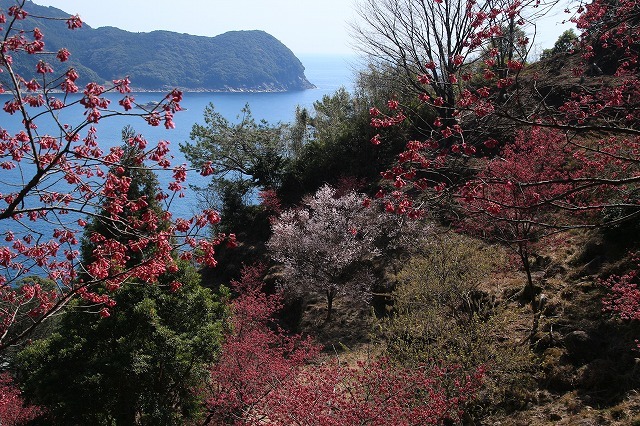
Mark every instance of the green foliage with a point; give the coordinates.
(141, 365)
(24, 321)
(246, 156)
(244, 150)
(335, 145)
(441, 315)
(233, 200)
(324, 145)
(564, 44)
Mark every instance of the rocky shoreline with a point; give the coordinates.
(225, 90)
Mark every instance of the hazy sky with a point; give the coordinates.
(305, 26)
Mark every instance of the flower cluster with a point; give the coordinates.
(60, 175)
(325, 245)
(624, 295)
(263, 377)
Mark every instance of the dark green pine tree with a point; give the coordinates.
(144, 363)
(144, 186)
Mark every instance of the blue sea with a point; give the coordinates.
(327, 73)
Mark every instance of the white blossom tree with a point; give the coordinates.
(327, 245)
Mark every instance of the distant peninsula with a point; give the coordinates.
(251, 61)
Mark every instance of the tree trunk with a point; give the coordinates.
(529, 292)
(330, 296)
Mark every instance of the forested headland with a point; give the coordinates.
(162, 60)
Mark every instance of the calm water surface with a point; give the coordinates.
(328, 73)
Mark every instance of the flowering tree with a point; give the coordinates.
(623, 297)
(262, 377)
(598, 119)
(495, 208)
(460, 58)
(13, 411)
(147, 355)
(374, 392)
(324, 246)
(434, 44)
(257, 356)
(582, 171)
(54, 172)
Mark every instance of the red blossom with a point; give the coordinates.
(68, 86)
(491, 143)
(17, 12)
(127, 102)
(624, 295)
(232, 241)
(56, 104)
(514, 65)
(13, 410)
(84, 175)
(43, 68)
(12, 106)
(123, 85)
(168, 120)
(270, 201)
(74, 22)
(63, 55)
(207, 169)
(153, 119)
(175, 286)
(504, 83)
(424, 79)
